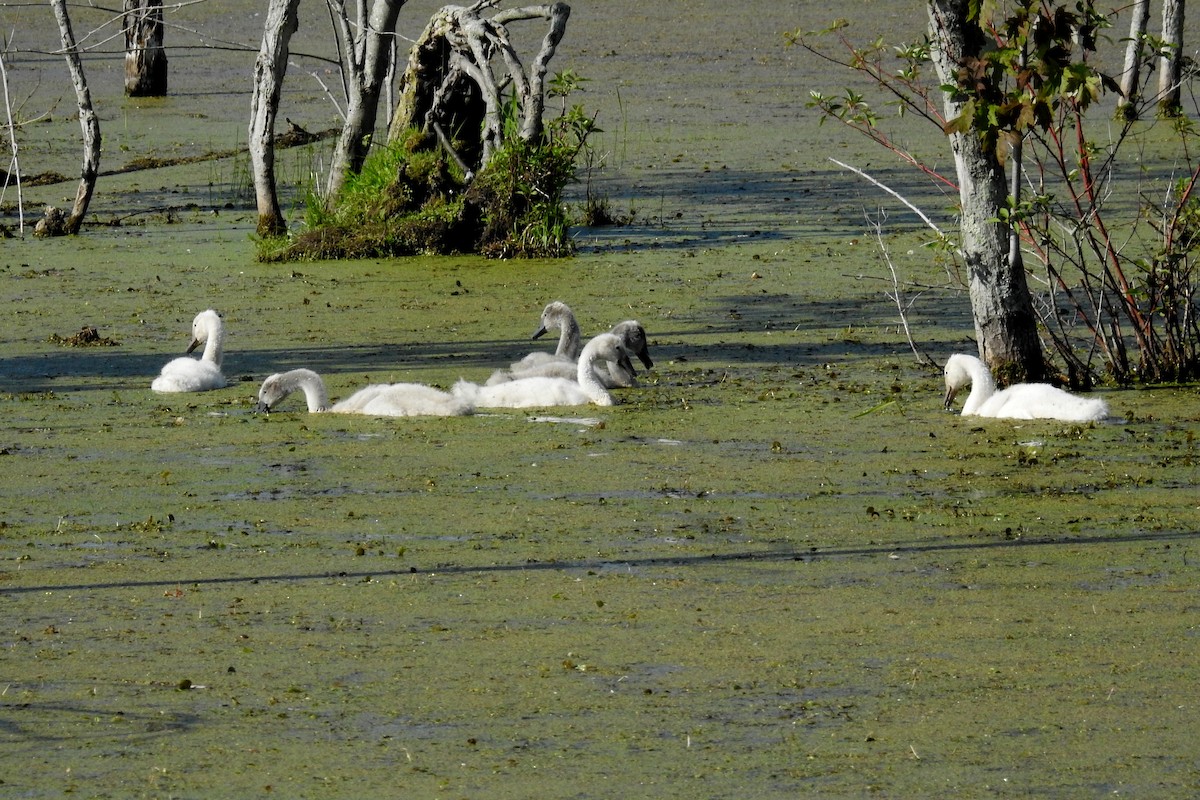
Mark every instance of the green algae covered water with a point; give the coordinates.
(778, 568)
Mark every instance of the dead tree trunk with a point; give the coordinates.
(87, 121)
(269, 69)
(452, 83)
(367, 61)
(145, 58)
(1130, 74)
(1005, 322)
(1170, 71)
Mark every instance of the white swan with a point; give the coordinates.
(1020, 401)
(185, 374)
(557, 315)
(541, 391)
(380, 400)
(633, 341)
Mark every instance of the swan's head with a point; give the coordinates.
(206, 324)
(607, 347)
(958, 375)
(633, 339)
(278, 386)
(270, 393)
(554, 317)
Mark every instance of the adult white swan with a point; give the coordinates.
(1020, 401)
(540, 391)
(380, 400)
(185, 374)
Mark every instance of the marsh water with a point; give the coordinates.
(778, 568)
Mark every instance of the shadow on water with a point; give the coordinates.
(767, 556)
(744, 319)
(735, 205)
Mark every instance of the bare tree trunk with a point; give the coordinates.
(367, 60)
(1171, 64)
(87, 121)
(269, 69)
(1140, 11)
(1005, 322)
(13, 175)
(145, 58)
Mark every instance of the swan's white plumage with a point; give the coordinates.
(1020, 401)
(561, 364)
(557, 315)
(537, 391)
(186, 374)
(542, 392)
(380, 400)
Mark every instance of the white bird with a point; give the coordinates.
(380, 400)
(185, 374)
(559, 364)
(559, 315)
(541, 391)
(1020, 401)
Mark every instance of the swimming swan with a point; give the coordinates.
(185, 374)
(1021, 401)
(380, 400)
(560, 363)
(633, 341)
(540, 391)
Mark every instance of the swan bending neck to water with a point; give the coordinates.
(185, 374)
(1020, 401)
(541, 392)
(380, 400)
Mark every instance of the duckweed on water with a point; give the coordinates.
(737, 576)
(777, 569)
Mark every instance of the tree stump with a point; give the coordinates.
(145, 58)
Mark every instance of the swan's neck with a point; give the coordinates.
(310, 383)
(568, 338)
(982, 387)
(587, 378)
(214, 346)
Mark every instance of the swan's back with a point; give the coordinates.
(1042, 401)
(533, 392)
(188, 375)
(403, 400)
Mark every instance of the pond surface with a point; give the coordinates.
(778, 568)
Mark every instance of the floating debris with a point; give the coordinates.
(88, 336)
